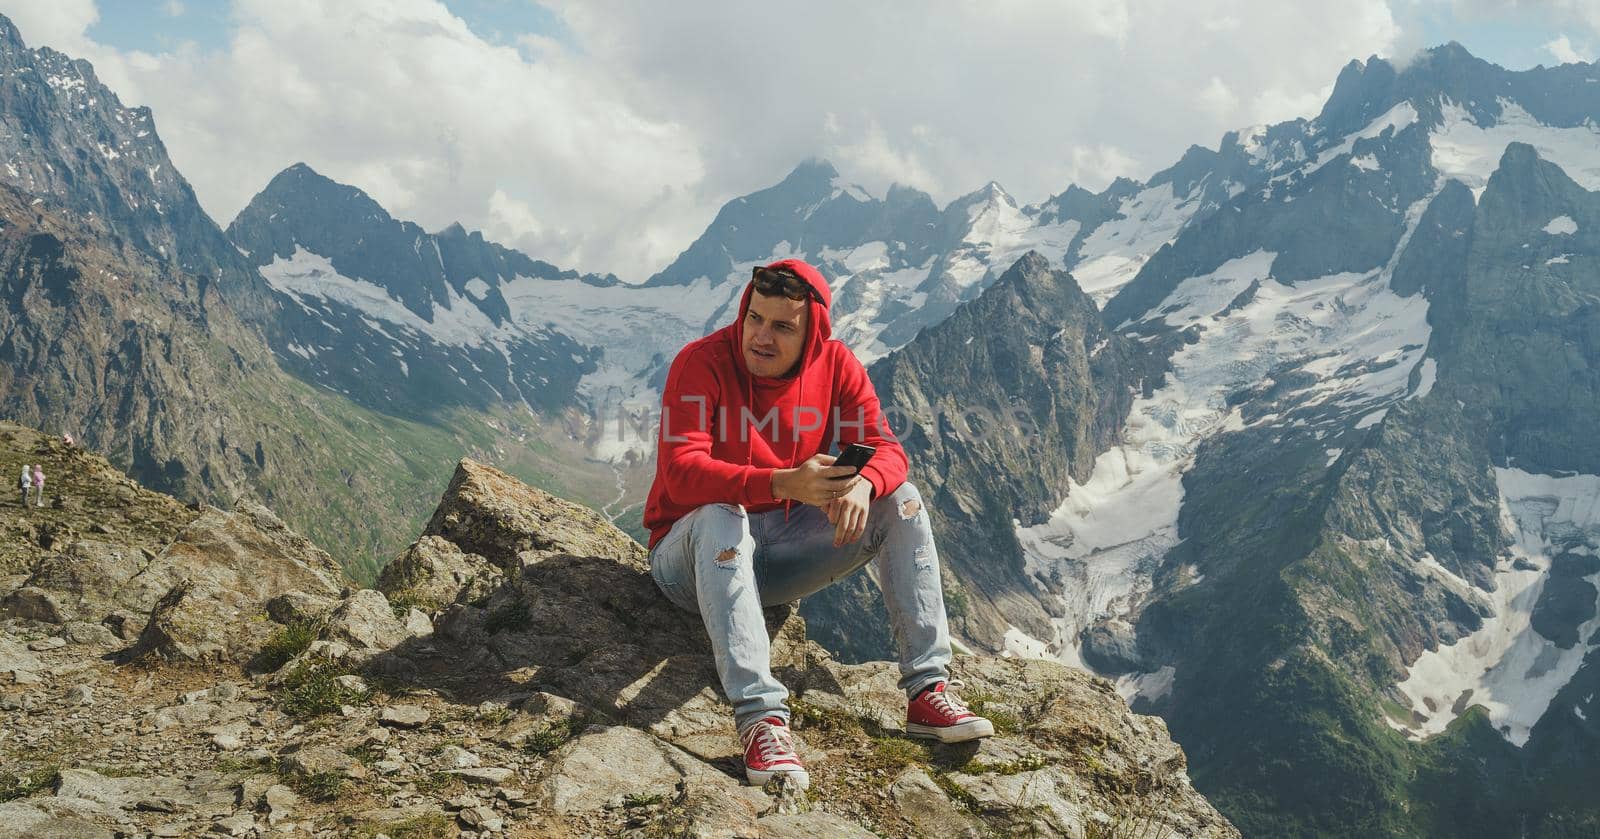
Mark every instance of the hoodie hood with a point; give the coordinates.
(819, 325)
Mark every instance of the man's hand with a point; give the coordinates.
(816, 481)
(848, 513)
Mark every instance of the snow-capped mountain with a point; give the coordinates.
(1363, 501)
(404, 320)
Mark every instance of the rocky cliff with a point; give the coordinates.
(515, 673)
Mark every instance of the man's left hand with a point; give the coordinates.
(848, 513)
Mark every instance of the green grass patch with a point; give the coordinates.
(1026, 763)
(14, 785)
(312, 690)
(430, 826)
(555, 735)
(804, 715)
(439, 784)
(366, 753)
(636, 800)
(984, 704)
(894, 752)
(403, 601)
(118, 771)
(237, 763)
(317, 786)
(957, 793)
(286, 643)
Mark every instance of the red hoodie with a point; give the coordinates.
(720, 439)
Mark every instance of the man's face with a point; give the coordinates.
(774, 334)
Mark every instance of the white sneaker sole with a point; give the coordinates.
(758, 777)
(973, 730)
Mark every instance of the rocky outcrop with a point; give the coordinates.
(997, 423)
(212, 584)
(549, 690)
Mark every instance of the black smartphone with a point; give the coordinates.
(855, 455)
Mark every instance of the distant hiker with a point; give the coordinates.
(67, 438)
(27, 483)
(38, 486)
(743, 437)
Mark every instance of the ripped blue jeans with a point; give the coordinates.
(726, 565)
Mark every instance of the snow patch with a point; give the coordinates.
(1470, 153)
(1151, 687)
(1507, 667)
(1112, 255)
(1561, 226)
(1429, 375)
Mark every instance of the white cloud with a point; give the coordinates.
(1218, 99)
(612, 149)
(1564, 53)
(173, 8)
(55, 23)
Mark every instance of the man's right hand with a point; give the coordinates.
(816, 481)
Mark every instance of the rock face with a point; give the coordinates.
(549, 690)
(996, 423)
(217, 577)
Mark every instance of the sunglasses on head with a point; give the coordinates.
(771, 282)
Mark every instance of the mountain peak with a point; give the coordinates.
(300, 186)
(813, 175)
(10, 36)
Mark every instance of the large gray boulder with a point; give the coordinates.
(211, 586)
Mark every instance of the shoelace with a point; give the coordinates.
(945, 703)
(771, 740)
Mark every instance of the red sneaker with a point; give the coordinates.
(938, 714)
(769, 750)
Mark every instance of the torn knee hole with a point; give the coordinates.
(728, 556)
(910, 507)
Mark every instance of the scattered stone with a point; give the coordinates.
(455, 757)
(604, 765)
(485, 775)
(482, 818)
(80, 695)
(33, 603)
(43, 644)
(124, 624)
(366, 623)
(227, 742)
(315, 760)
(279, 802)
(14, 658)
(403, 716)
(433, 573)
(813, 825)
(242, 824)
(389, 766)
(90, 634)
(293, 607)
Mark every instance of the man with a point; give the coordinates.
(747, 511)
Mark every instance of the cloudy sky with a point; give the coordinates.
(604, 135)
